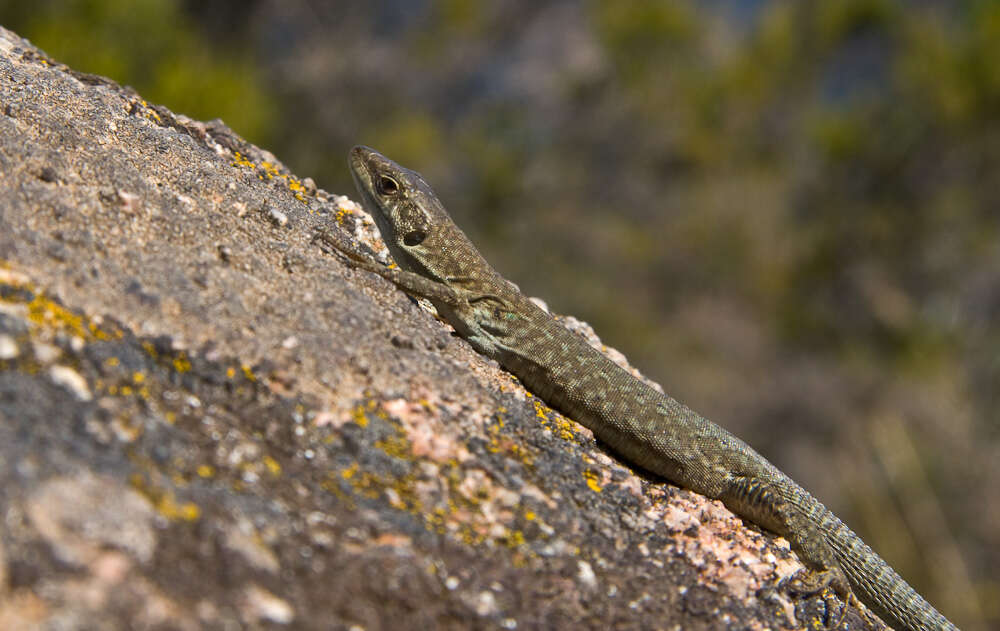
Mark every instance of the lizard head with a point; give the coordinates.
(414, 224)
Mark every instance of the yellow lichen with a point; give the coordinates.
(513, 538)
(341, 215)
(591, 477)
(395, 446)
(269, 171)
(46, 313)
(273, 466)
(174, 511)
(248, 372)
(182, 363)
(164, 501)
(358, 416)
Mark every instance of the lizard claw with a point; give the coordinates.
(811, 582)
(333, 242)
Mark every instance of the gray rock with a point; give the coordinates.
(230, 429)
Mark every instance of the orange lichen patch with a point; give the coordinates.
(45, 312)
(400, 492)
(554, 421)
(171, 509)
(518, 451)
(438, 489)
(464, 504)
(332, 485)
(341, 214)
(181, 363)
(513, 538)
(248, 373)
(255, 465)
(541, 410)
(592, 483)
(270, 171)
(297, 188)
(205, 471)
(273, 466)
(142, 108)
(165, 501)
(498, 443)
(239, 160)
(359, 417)
(421, 423)
(345, 208)
(349, 472)
(396, 446)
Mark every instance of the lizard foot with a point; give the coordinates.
(333, 242)
(814, 581)
(810, 582)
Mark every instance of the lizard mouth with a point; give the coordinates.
(365, 164)
(358, 162)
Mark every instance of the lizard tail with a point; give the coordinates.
(877, 584)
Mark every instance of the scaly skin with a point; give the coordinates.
(645, 427)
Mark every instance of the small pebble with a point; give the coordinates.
(8, 347)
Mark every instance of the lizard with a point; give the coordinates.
(437, 261)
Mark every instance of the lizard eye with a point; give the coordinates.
(386, 185)
(414, 237)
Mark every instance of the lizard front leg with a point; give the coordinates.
(410, 282)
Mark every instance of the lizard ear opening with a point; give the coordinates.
(414, 237)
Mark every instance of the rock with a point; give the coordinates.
(207, 421)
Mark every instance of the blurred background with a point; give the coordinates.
(786, 213)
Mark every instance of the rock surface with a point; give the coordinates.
(207, 422)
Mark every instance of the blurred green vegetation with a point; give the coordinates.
(155, 47)
(787, 212)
